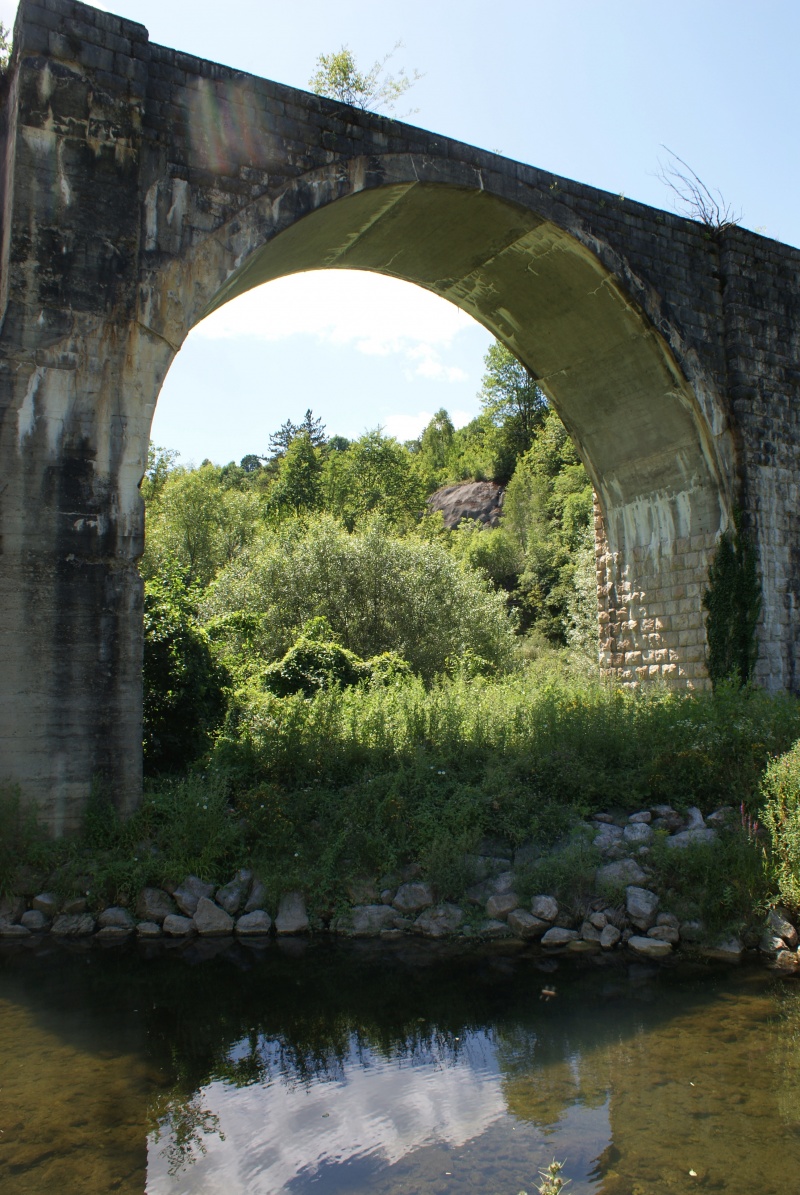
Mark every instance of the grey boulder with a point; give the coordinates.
(34, 920)
(545, 907)
(210, 920)
(637, 834)
(624, 871)
(116, 918)
(232, 896)
(47, 903)
(556, 936)
(256, 922)
(499, 906)
(73, 925)
(148, 929)
(524, 925)
(189, 892)
(154, 905)
(441, 921)
(781, 927)
(367, 921)
(292, 916)
(695, 834)
(641, 905)
(413, 897)
(176, 926)
(609, 937)
(257, 898)
(8, 930)
(664, 933)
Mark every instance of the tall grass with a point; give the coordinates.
(361, 782)
(586, 744)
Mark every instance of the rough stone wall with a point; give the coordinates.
(140, 185)
(651, 618)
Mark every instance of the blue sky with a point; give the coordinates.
(585, 89)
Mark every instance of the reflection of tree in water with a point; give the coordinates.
(183, 1122)
(785, 1049)
(299, 1020)
(546, 1072)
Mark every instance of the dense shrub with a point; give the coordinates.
(183, 684)
(378, 593)
(781, 790)
(315, 661)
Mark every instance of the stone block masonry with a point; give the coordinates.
(141, 188)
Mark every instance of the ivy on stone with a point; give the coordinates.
(733, 602)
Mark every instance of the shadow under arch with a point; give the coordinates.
(646, 421)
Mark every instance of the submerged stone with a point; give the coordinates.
(649, 947)
(557, 936)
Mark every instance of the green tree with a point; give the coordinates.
(379, 593)
(197, 521)
(251, 463)
(314, 661)
(5, 48)
(184, 699)
(161, 462)
(375, 475)
(280, 440)
(434, 449)
(298, 486)
(548, 509)
(338, 78)
(514, 403)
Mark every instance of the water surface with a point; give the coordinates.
(388, 1068)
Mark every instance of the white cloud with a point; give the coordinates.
(408, 427)
(430, 365)
(379, 1109)
(379, 316)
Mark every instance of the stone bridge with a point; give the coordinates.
(142, 188)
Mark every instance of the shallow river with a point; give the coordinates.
(391, 1068)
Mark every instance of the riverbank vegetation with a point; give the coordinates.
(339, 686)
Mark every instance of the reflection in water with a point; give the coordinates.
(377, 1108)
(356, 1068)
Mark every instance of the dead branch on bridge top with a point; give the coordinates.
(697, 200)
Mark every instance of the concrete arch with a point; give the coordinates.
(650, 428)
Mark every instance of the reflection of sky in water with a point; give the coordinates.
(372, 1114)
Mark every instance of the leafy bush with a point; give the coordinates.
(721, 882)
(315, 661)
(183, 685)
(733, 602)
(378, 593)
(781, 790)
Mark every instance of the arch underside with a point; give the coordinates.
(632, 414)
